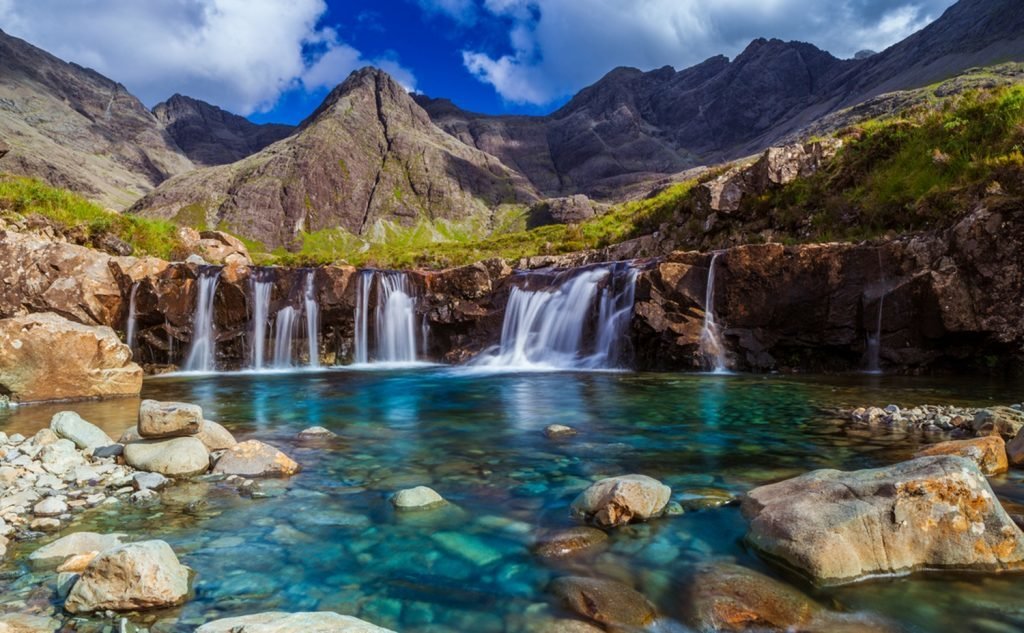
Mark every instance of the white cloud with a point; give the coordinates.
(238, 54)
(560, 46)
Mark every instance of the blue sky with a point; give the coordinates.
(274, 60)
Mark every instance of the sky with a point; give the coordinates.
(275, 60)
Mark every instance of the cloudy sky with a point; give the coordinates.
(274, 60)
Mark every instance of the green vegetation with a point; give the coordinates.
(920, 170)
(84, 222)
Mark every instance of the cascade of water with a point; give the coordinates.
(203, 349)
(132, 325)
(711, 345)
(284, 332)
(261, 284)
(312, 312)
(548, 327)
(874, 342)
(396, 319)
(362, 320)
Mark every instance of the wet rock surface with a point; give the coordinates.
(605, 601)
(620, 500)
(130, 577)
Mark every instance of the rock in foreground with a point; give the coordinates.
(255, 459)
(621, 500)
(606, 601)
(276, 622)
(931, 512)
(175, 457)
(46, 357)
(131, 577)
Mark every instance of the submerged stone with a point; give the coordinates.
(466, 546)
(606, 601)
(276, 622)
(555, 431)
(931, 512)
(570, 542)
(418, 498)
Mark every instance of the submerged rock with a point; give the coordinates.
(253, 458)
(606, 601)
(570, 542)
(174, 457)
(554, 431)
(988, 452)
(621, 500)
(131, 577)
(418, 498)
(25, 623)
(168, 419)
(931, 512)
(75, 544)
(85, 435)
(91, 361)
(315, 433)
(276, 622)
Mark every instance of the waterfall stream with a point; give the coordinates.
(131, 328)
(575, 320)
(394, 337)
(203, 348)
(873, 350)
(711, 345)
(284, 333)
(261, 283)
(312, 313)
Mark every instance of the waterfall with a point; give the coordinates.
(394, 325)
(203, 348)
(312, 312)
(284, 331)
(261, 284)
(711, 345)
(576, 320)
(874, 342)
(132, 326)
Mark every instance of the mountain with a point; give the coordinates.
(633, 126)
(211, 136)
(77, 129)
(368, 153)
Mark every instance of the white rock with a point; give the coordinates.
(73, 544)
(317, 622)
(418, 498)
(50, 507)
(85, 435)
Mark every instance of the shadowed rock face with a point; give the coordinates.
(74, 128)
(211, 136)
(633, 126)
(368, 153)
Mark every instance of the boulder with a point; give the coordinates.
(569, 210)
(570, 542)
(55, 553)
(215, 436)
(315, 434)
(173, 457)
(276, 622)
(1015, 450)
(1002, 421)
(46, 357)
(988, 452)
(253, 458)
(25, 623)
(928, 513)
(130, 577)
(218, 247)
(168, 419)
(729, 598)
(85, 435)
(606, 601)
(620, 500)
(418, 498)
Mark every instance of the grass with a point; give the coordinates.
(85, 221)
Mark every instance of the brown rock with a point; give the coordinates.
(215, 436)
(927, 513)
(253, 458)
(168, 419)
(218, 247)
(989, 452)
(77, 563)
(620, 500)
(131, 577)
(570, 542)
(606, 601)
(46, 357)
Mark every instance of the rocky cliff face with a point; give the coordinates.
(368, 153)
(211, 136)
(76, 129)
(634, 126)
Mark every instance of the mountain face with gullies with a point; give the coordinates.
(633, 126)
(368, 153)
(76, 129)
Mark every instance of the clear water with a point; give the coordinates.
(327, 539)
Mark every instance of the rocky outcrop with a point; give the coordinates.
(620, 500)
(46, 357)
(928, 513)
(367, 154)
(211, 136)
(276, 622)
(568, 210)
(76, 129)
(131, 577)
